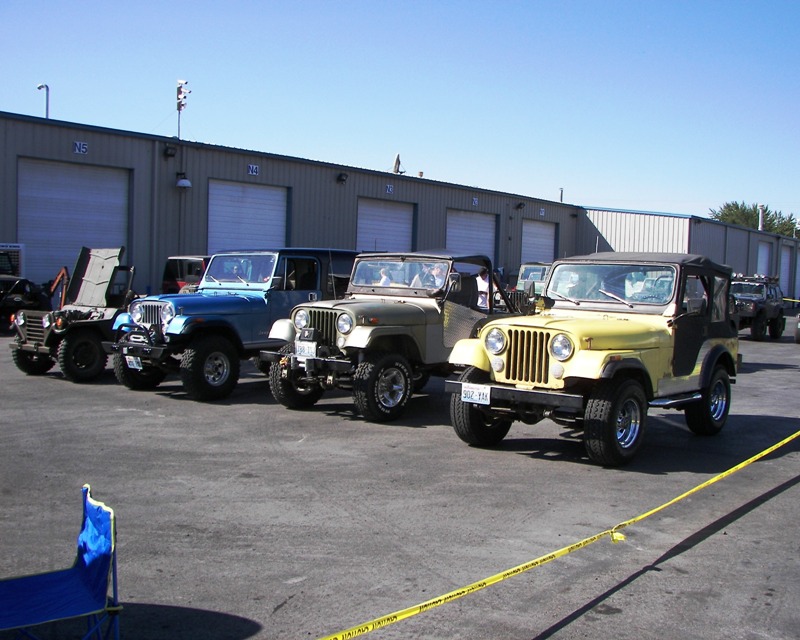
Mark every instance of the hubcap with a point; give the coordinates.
(216, 369)
(391, 387)
(629, 422)
(718, 401)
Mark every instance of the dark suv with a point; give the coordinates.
(759, 305)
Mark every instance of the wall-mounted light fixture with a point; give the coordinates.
(520, 205)
(183, 182)
(342, 178)
(170, 150)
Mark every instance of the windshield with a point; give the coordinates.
(396, 272)
(622, 283)
(241, 268)
(535, 274)
(748, 289)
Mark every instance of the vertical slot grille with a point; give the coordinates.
(151, 314)
(324, 321)
(527, 357)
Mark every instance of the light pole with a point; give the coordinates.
(46, 99)
(181, 104)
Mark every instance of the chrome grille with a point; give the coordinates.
(527, 356)
(34, 331)
(151, 313)
(324, 321)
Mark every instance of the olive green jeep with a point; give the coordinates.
(612, 334)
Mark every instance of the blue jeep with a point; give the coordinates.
(204, 335)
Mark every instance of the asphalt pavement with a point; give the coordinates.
(241, 519)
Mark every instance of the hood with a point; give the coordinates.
(385, 311)
(601, 332)
(218, 303)
(92, 276)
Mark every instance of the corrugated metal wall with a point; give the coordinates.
(607, 230)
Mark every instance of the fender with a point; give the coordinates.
(717, 355)
(283, 329)
(122, 318)
(362, 336)
(628, 364)
(470, 352)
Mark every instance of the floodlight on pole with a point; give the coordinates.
(182, 92)
(46, 99)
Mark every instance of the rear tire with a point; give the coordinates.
(145, 379)
(382, 385)
(472, 425)
(291, 393)
(32, 364)
(81, 356)
(615, 421)
(707, 417)
(210, 368)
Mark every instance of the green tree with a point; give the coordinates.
(746, 215)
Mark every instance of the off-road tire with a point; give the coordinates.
(420, 380)
(32, 364)
(291, 393)
(776, 327)
(145, 379)
(209, 368)
(708, 416)
(262, 365)
(473, 426)
(382, 385)
(615, 422)
(758, 330)
(81, 356)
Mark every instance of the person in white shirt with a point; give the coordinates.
(483, 288)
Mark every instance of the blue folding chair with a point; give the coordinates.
(82, 591)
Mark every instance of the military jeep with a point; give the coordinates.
(203, 336)
(99, 290)
(614, 334)
(759, 305)
(394, 329)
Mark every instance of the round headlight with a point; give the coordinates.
(167, 314)
(561, 347)
(136, 312)
(495, 341)
(47, 320)
(344, 323)
(19, 319)
(301, 319)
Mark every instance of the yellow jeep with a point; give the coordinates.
(612, 334)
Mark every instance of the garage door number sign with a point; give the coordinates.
(81, 148)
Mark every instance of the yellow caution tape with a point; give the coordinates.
(790, 300)
(613, 533)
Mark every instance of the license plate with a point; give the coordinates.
(134, 362)
(305, 349)
(475, 393)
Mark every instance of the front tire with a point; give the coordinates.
(472, 425)
(758, 330)
(145, 379)
(776, 327)
(615, 421)
(707, 417)
(209, 368)
(292, 393)
(81, 356)
(382, 385)
(32, 364)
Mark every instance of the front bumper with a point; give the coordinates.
(133, 340)
(508, 397)
(313, 366)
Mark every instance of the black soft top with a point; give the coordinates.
(681, 259)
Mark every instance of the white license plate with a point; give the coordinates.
(134, 362)
(475, 393)
(305, 349)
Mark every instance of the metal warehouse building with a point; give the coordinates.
(67, 185)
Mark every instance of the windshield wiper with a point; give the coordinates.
(615, 297)
(562, 296)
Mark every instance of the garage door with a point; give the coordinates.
(473, 233)
(245, 216)
(385, 226)
(786, 269)
(63, 207)
(538, 241)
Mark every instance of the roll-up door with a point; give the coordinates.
(469, 232)
(538, 241)
(786, 269)
(384, 226)
(63, 207)
(764, 258)
(245, 216)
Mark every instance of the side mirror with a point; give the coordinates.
(276, 284)
(454, 282)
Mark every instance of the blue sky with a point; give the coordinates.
(647, 105)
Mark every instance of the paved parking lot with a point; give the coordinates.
(242, 519)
